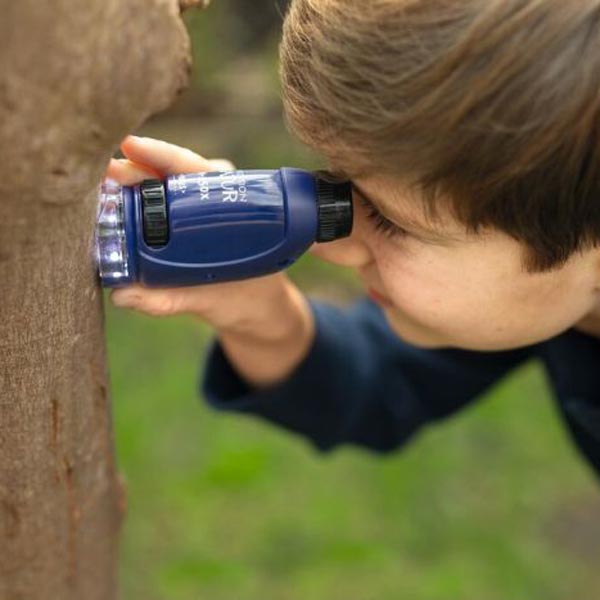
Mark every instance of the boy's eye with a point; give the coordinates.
(387, 228)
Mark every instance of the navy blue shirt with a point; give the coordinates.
(361, 384)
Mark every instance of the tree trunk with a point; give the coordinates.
(76, 78)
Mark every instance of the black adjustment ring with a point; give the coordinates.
(154, 213)
(335, 214)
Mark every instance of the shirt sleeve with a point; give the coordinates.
(359, 383)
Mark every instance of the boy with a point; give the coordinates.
(471, 132)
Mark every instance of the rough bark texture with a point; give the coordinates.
(76, 78)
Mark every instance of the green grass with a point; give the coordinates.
(228, 507)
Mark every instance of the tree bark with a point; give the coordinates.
(76, 78)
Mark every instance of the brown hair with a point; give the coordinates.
(491, 105)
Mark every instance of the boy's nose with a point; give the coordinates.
(346, 252)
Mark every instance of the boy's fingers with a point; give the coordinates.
(158, 302)
(221, 164)
(126, 172)
(127, 297)
(167, 159)
(154, 302)
(149, 158)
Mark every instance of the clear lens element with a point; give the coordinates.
(111, 244)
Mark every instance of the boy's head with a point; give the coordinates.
(476, 118)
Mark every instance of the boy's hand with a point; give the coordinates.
(238, 307)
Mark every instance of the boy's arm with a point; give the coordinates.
(357, 382)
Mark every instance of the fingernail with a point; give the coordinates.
(137, 139)
(131, 139)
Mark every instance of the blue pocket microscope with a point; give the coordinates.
(217, 226)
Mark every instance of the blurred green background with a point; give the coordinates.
(492, 504)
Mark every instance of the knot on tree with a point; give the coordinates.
(185, 4)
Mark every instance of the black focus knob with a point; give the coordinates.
(154, 212)
(335, 209)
